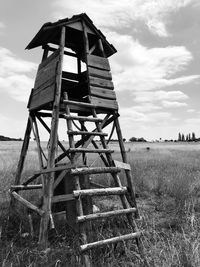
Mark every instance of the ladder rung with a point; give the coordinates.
(86, 133)
(88, 150)
(93, 170)
(100, 192)
(109, 241)
(105, 214)
(82, 118)
(83, 104)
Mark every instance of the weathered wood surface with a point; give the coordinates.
(70, 75)
(102, 92)
(98, 82)
(70, 102)
(49, 59)
(98, 62)
(100, 192)
(49, 179)
(86, 133)
(103, 74)
(62, 198)
(89, 150)
(27, 203)
(44, 88)
(94, 170)
(82, 118)
(26, 187)
(104, 103)
(109, 241)
(104, 214)
(122, 165)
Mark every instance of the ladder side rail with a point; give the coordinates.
(49, 179)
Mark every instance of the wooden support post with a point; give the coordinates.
(49, 179)
(130, 184)
(23, 152)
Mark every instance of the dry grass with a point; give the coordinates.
(167, 183)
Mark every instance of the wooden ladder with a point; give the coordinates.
(106, 155)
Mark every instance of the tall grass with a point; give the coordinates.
(167, 182)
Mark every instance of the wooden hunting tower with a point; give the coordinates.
(83, 99)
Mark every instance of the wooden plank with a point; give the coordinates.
(46, 73)
(82, 118)
(82, 104)
(69, 75)
(62, 198)
(25, 187)
(129, 177)
(122, 165)
(55, 169)
(103, 74)
(86, 133)
(49, 59)
(109, 241)
(104, 103)
(98, 62)
(27, 203)
(101, 83)
(104, 214)
(52, 149)
(42, 97)
(88, 150)
(102, 92)
(100, 192)
(94, 170)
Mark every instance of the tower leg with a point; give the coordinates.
(23, 151)
(129, 177)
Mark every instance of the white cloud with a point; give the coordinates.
(131, 115)
(154, 13)
(14, 73)
(159, 96)
(2, 25)
(137, 68)
(173, 104)
(191, 110)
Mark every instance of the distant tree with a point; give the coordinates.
(189, 137)
(124, 139)
(179, 137)
(141, 139)
(133, 139)
(183, 138)
(193, 137)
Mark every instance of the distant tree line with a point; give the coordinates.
(187, 138)
(134, 139)
(5, 138)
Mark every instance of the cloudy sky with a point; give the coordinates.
(156, 71)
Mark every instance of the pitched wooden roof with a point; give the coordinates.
(50, 33)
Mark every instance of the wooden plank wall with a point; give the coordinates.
(101, 85)
(44, 88)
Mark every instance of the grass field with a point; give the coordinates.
(167, 181)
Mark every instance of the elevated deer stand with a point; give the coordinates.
(75, 97)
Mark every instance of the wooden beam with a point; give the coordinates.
(122, 165)
(103, 215)
(25, 187)
(109, 241)
(27, 203)
(62, 198)
(100, 192)
(49, 179)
